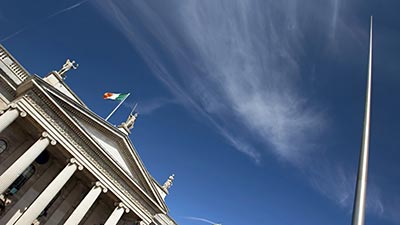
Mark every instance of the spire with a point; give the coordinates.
(361, 188)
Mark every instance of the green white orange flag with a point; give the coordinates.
(115, 96)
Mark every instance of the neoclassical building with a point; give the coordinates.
(60, 163)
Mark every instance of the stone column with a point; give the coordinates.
(26, 159)
(10, 116)
(85, 204)
(116, 214)
(49, 193)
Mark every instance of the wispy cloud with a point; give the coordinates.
(42, 20)
(199, 219)
(334, 182)
(338, 184)
(152, 105)
(231, 62)
(238, 65)
(149, 106)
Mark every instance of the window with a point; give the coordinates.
(21, 180)
(3, 145)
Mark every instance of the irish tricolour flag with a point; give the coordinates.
(115, 96)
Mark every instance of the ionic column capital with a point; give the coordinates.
(14, 106)
(116, 215)
(74, 161)
(47, 135)
(121, 205)
(100, 185)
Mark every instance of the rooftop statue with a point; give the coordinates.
(68, 65)
(130, 122)
(167, 185)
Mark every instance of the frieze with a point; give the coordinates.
(66, 128)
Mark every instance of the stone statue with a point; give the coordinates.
(67, 66)
(130, 122)
(167, 185)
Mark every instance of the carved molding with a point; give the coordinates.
(82, 145)
(100, 185)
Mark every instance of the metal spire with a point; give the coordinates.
(361, 188)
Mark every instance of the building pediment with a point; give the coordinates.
(114, 144)
(46, 109)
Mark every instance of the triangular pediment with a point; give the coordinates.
(109, 145)
(116, 145)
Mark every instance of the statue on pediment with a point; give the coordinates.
(130, 122)
(167, 185)
(68, 65)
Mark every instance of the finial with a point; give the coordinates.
(167, 185)
(68, 65)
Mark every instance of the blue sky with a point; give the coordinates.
(256, 106)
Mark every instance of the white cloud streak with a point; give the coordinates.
(199, 219)
(336, 183)
(230, 63)
(150, 106)
(237, 64)
(34, 24)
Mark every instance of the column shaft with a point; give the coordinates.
(47, 195)
(115, 215)
(7, 118)
(16, 169)
(84, 206)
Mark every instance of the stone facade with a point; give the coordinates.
(60, 163)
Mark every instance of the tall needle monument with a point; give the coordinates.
(361, 188)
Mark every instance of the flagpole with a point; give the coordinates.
(361, 188)
(133, 109)
(115, 109)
